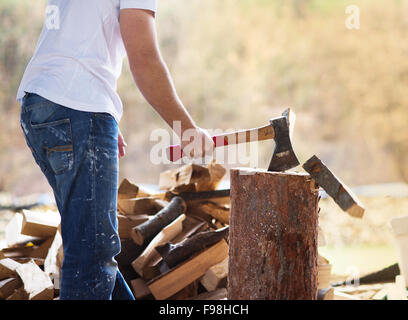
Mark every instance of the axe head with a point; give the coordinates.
(283, 157)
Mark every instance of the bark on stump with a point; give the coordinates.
(273, 236)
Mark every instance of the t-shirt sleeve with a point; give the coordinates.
(139, 4)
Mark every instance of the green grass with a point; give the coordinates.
(364, 258)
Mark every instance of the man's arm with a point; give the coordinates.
(151, 74)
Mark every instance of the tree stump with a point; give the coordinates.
(273, 236)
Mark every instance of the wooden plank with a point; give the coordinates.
(167, 234)
(140, 289)
(37, 261)
(127, 223)
(216, 276)
(40, 224)
(380, 295)
(37, 283)
(8, 268)
(7, 286)
(179, 277)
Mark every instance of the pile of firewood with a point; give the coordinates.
(174, 242)
(30, 265)
(174, 245)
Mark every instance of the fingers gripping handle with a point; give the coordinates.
(175, 152)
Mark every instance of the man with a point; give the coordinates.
(70, 114)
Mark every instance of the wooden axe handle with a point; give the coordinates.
(174, 152)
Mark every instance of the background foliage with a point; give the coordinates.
(237, 63)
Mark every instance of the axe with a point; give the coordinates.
(280, 129)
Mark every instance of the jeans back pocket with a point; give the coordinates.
(56, 140)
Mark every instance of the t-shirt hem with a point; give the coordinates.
(66, 102)
(139, 4)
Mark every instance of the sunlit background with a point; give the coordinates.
(238, 63)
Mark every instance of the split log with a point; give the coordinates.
(41, 251)
(37, 283)
(334, 187)
(127, 190)
(186, 175)
(190, 227)
(145, 232)
(14, 238)
(168, 233)
(130, 250)
(177, 278)
(215, 210)
(220, 294)
(188, 291)
(217, 173)
(323, 273)
(387, 274)
(273, 238)
(8, 268)
(173, 254)
(202, 195)
(53, 260)
(140, 206)
(337, 295)
(400, 230)
(127, 223)
(18, 294)
(192, 177)
(7, 286)
(140, 289)
(325, 294)
(40, 224)
(216, 276)
(400, 283)
(17, 253)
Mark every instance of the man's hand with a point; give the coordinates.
(121, 145)
(197, 143)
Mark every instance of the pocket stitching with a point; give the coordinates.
(49, 124)
(70, 153)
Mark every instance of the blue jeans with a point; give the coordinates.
(78, 153)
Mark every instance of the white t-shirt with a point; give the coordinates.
(79, 55)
